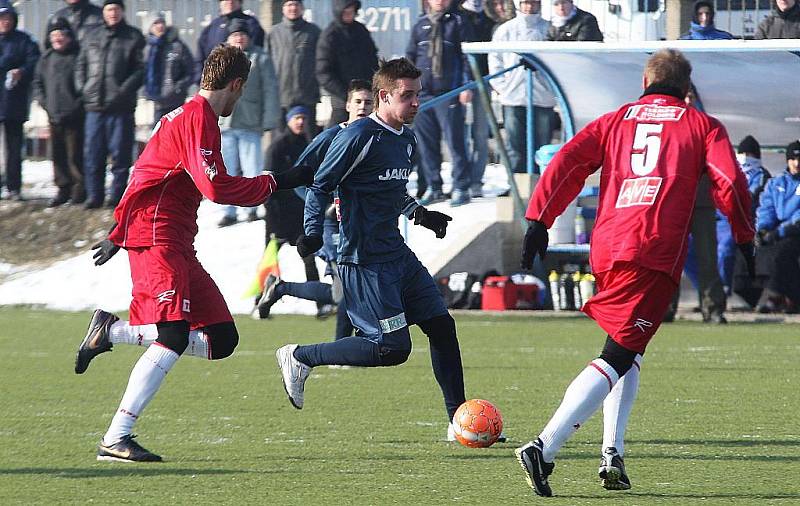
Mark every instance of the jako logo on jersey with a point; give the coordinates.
(409, 150)
(640, 191)
(395, 174)
(166, 296)
(642, 324)
(658, 113)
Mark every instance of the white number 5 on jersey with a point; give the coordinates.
(646, 148)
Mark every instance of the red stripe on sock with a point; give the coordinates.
(608, 378)
(126, 412)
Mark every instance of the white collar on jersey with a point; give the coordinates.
(374, 117)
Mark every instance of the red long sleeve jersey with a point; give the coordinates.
(181, 164)
(652, 153)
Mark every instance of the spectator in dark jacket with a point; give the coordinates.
(169, 68)
(482, 28)
(435, 48)
(782, 23)
(293, 46)
(345, 51)
(216, 32)
(82, 16)
(285, 208)
(54, 90)
(109, 74)
(702, 25)
(570, 23)
(18, 56)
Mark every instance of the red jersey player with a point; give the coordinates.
(652, 153)
(176, 307)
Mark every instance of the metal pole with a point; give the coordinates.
(486, 101)
(530, 131)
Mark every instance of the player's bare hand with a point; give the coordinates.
(105, 250)
(308, 244)
(535, 242)
(749, 253)
(432, 220)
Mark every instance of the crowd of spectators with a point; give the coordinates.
(95, 65)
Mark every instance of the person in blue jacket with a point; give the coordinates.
(702, 27)
(216, 32)
(778, 225)
(748, 153)
(19, 54)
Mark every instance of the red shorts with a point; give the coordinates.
(630, 303)
(170, 285)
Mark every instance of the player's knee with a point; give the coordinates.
(390, 357)
(621, 359)
(173, 335)
(439, 327)
(223, 339)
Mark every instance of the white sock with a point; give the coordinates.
(145, 380)
(617, 408)
(123, 332)
(583, 397)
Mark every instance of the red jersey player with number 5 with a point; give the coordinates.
(652, 153)
(176, 308)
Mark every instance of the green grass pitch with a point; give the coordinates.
(716, 421)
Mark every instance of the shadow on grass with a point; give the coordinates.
(743, 443)
(754, 498)
(121, 470)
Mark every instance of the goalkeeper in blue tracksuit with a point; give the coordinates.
(386, 288)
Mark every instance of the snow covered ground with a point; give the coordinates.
(229, 254)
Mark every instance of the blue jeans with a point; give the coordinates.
(515, 124)
(242, 154)
(107, 133)
(479, 134)
(446, 119)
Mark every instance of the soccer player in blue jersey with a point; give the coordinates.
(386, 288)
(359, 105)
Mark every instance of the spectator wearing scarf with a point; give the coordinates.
(168, 68)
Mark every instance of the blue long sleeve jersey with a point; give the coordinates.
(366, 166)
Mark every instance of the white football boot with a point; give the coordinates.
(294, 374)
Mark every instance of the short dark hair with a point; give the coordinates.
(358, 85)
(389, 71)
(668, 67)
(223, 65)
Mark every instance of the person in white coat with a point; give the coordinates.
(512, 86)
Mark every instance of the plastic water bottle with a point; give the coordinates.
(577, 295)
(581, 237)
(566, 293)
(586, 287)
(554, 290)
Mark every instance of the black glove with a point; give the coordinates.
(535, 241)
(432, 220)
(308, 244)
(302, 175)
(791, 229)
(105, 250)
(766, 237)
(749, 253)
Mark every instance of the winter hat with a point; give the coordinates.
(297, 111)
(749, 145)
(793, 150)
(59, 24)
(238, 25)
(156, 16)
(6, 7)
(121, 3)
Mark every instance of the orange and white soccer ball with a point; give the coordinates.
(477, 423)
